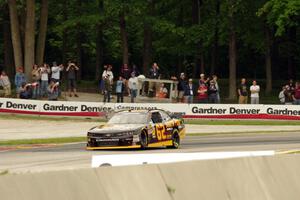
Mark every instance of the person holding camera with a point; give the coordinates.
(25, 91)
(44, 71)
(53, 90)
(5, 83)
(71, 70)
(36, 78)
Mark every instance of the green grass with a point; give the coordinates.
(187, 121)
(42, 141)
(242, 122)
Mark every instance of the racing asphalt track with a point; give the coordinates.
(74, 156)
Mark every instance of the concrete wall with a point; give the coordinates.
(257, 178)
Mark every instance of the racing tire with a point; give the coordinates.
(144, 140)
(175, 140)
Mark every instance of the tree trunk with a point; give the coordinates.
(124, 39)
(64, 36)
(29, 37)
(7, 45)
(292, 34)
(79, 43)
(42, 33)
(268, 62)
(232, 61)
(99, 44)
(196, 18)
(215, 48)
(147, 55)
(147, 48)
(15, 33)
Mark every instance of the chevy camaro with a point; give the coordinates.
(137, 129)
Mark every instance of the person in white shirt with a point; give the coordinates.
(133, 86)
(45, 71)
(56, 72)
(108, 73)
(254, 89)
(5, 83)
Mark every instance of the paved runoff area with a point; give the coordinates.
(12, 129)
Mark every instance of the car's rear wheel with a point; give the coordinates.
(175, 139)
(144, 140)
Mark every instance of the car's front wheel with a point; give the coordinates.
(144, 140)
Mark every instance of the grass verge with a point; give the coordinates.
(187, 121)
(42, 141)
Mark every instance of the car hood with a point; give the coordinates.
(114, 128)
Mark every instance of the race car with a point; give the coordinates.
(138, 129)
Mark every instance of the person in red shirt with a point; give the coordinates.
(296, 94)
(202, 93)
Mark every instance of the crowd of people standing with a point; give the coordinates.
(44, 82)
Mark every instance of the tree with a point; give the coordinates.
(15, 33)
(40, 49)
(124, 38)
(29, 46)
(268, 59)
(232, 50)
(147, 45)
(99, 41)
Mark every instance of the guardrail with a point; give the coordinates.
(95, 109)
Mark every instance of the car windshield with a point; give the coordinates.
(129, 118)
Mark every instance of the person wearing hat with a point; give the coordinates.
(133, 86)
(181, 86)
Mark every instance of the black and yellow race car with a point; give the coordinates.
(138, 129)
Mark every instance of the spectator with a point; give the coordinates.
(202, 92)
(107, 88)
(133, 86)
(108, 74)
(215, 78)
(5, 83)
(242, 92)
(281, 95)
(125, 73)
(254, 89)
(212, 92)
(53, 90)
(141, 84)
(153, 74)
(296, 94)
(55, 76)
(189, 92)
(36, 78)
(163, 91)
(71, 70)
(102, 80)
(181, 86)
(120, 90)
(19, 79)
(203, 80)
(291, 84)
(45, 71)
(288, 95)
(135, 70)
(25, 91)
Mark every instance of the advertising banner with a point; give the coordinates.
(96, 109)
